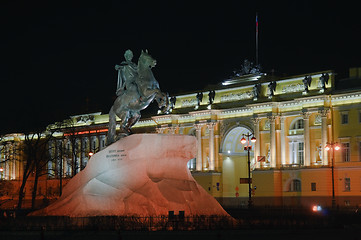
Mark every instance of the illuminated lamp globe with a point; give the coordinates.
(243, 140)
(337, 147)
(253, 139)
(327, 148)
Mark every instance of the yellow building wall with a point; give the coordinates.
(267, 183)
(211, 182)
(234, 168)
(322, 178)
(350, 132)
(355, 180)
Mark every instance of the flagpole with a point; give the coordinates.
(257, 39)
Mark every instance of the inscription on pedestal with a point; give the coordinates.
(116, 155)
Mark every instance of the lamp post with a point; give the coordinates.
(93, 151)
(248, 148)
(334, 146)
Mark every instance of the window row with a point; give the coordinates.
(295, 185)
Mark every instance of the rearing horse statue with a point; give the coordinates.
(130, 102)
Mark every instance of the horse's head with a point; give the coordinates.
(146, 59)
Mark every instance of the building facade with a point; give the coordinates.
(293, 119)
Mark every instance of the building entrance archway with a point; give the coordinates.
(235, 166)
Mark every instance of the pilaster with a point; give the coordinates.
(199, 146)
(324, 129)
(272, 119)
(283, 140)
(306, 138)
(257, 144)
(211, 146)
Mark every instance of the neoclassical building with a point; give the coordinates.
(293, 120)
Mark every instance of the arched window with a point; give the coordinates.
(232, 141)
(297, 125)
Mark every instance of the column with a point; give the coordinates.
(211, 145)
(323, 113)
(199, 147)
(257, 144)
(283, 141)
(273, 140)
(306, 138)
(59, 157)
(77, 162)
(82, 147)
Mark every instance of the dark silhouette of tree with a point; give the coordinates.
(36, 152)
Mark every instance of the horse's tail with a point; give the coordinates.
(112, 127)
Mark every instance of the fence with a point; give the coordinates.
(255, 218)
(118, 223)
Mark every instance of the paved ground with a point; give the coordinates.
(327, 234)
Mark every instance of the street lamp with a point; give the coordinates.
(1, 171)
(333, 146)
(248, 148)
(93, 151)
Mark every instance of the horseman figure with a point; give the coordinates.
(136, 89)
(127, 72)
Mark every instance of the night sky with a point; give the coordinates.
(58, 59)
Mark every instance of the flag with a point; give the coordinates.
(257, 39)
(261, 158)
(256, 22)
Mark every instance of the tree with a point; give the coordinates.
(35, 148)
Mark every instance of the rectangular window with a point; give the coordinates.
(345, 152)
(313, 187)
(347, 184)
(300, 153)
(192, 164)
(299, 124)
(344, 118)
(295, 186)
